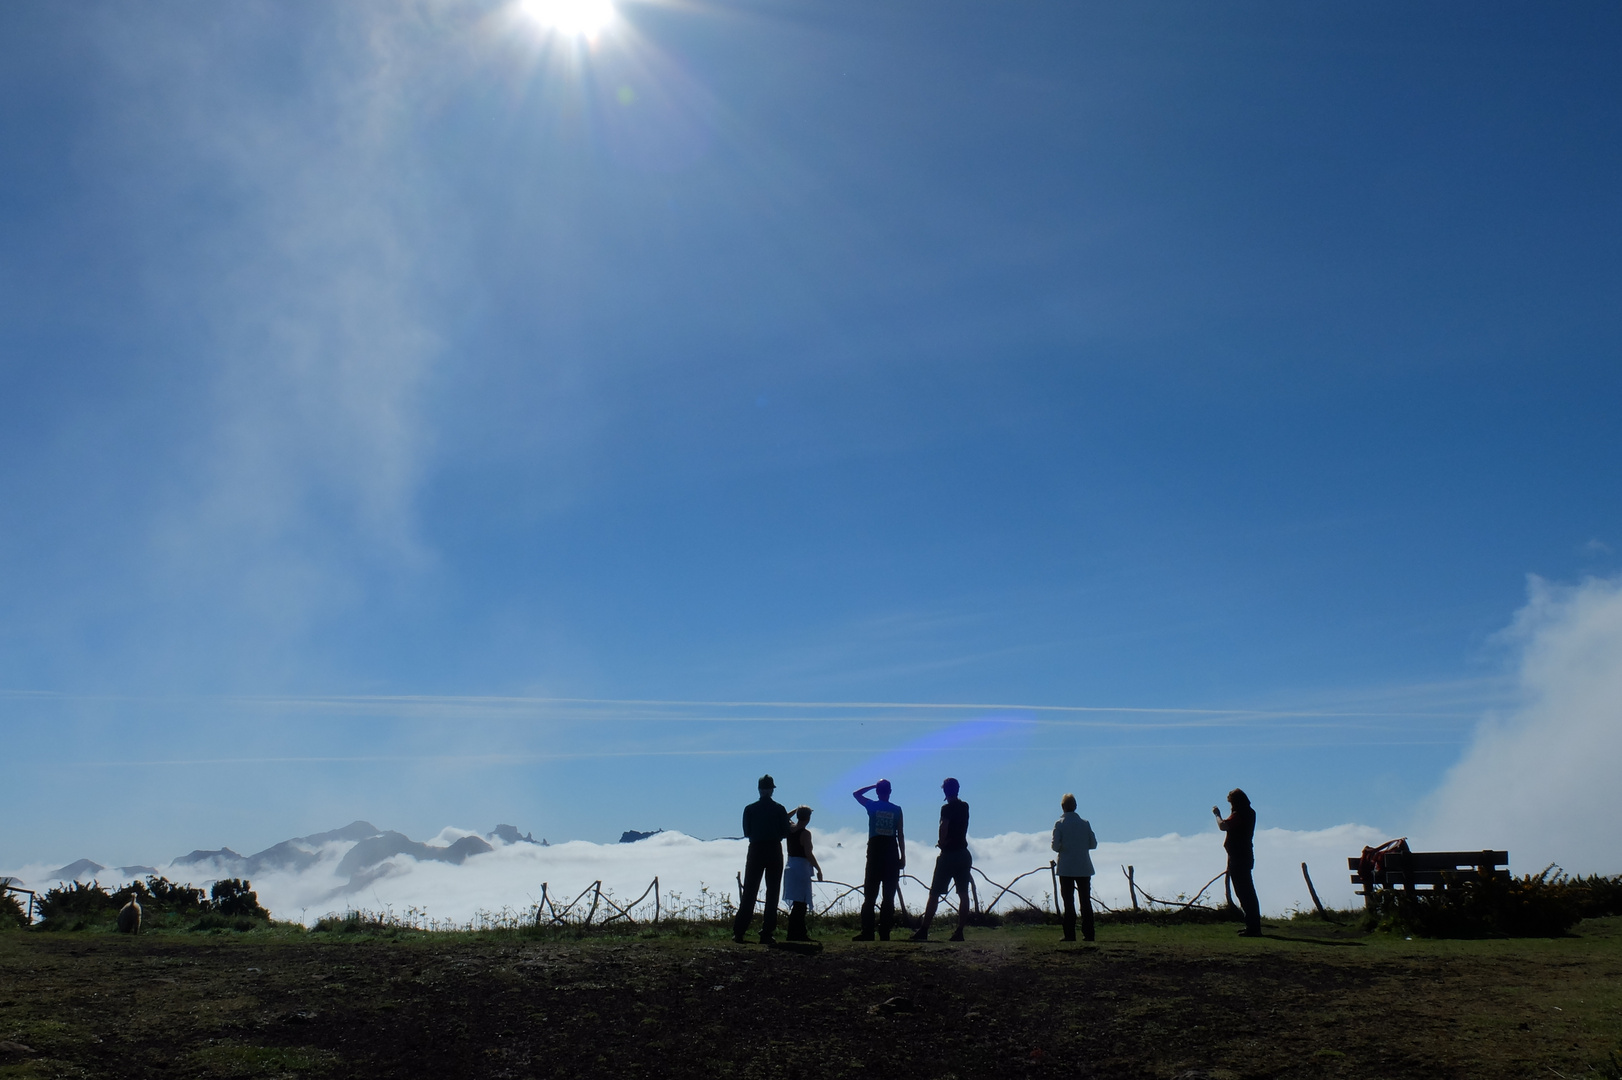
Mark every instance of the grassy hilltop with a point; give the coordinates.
(1312, 999)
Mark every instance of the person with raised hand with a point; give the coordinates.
(886, 858)
(802, 859)
(1240, 843)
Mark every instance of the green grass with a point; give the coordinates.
(1313, 998)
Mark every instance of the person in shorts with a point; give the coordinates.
(953, 864)
(886, 858)
(797, 873)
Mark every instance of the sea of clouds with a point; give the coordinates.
(699, 873)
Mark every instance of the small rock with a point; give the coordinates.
(16, 1048)
(892, 1005)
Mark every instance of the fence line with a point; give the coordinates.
(549, 912)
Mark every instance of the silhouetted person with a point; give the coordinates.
(953, 864)
(797, 874)
(765, 823)
(1073, 839)
(1240, 825)
(886, 858)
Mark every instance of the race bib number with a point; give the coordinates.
(883, 823)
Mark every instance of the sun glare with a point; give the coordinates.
(575, 18)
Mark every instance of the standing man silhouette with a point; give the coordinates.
(886, 858)
(765, 823)
(1240, 825)
(953, 864)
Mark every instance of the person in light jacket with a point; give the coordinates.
(1073, 838)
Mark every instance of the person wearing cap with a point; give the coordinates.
(886, 858)
(953, 864)
(765, 824)
(1073, 839)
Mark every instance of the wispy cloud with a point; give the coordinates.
(306, 275)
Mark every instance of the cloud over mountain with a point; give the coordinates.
(460, 873)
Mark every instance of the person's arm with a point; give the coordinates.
(811, 856)
(1092, 837)
(1222, 823)
(857, 795)
(1058, 835)
(900, 839)
(746, 822)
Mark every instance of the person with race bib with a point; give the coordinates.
(886, 858)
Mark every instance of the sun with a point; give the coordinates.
(574, 18)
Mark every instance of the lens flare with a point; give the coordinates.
(573, 18)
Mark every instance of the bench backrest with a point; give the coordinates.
(1430, 868)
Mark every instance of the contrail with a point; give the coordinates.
(337, 700)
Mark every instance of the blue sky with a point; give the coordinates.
(374, 376)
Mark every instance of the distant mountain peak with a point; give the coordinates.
(631, 836)
(73, 871)
(509, 834)
(223, 854)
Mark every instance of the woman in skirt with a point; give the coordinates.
(797, 873)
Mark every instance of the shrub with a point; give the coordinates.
(75, 905)
(12, 912)
(160, 896)
(1473, 906)
(232, 897)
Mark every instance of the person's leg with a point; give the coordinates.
(796, 922)
(1245, 889)
(892, 882)
(937, 889)
(774, 889)
(870, 892)
(922, 933)
(1067, 887)
(752, 868)
(1086, 889)
(962, 907)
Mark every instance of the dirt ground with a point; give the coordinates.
(1307, 1000)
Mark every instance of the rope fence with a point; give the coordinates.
(583, 910)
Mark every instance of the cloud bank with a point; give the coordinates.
(1541, 780)
(315, 879)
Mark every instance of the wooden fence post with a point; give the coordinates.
(1132, 886)
(656, 901)
(1315, 901)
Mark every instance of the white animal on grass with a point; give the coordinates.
(129, 918)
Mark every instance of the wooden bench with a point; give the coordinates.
(1424, 870)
